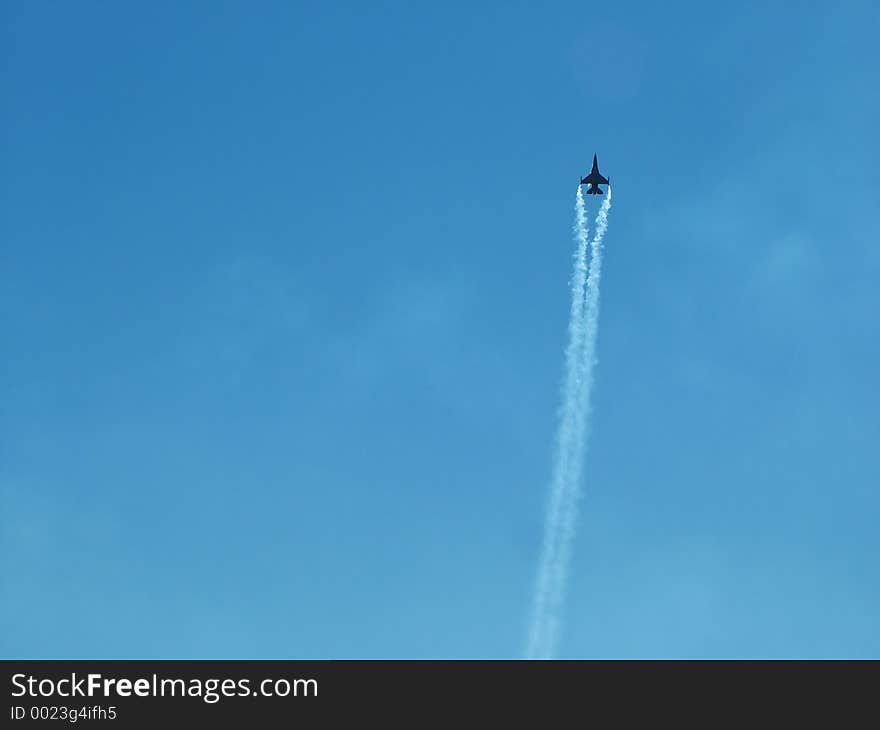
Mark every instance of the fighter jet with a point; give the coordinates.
(594, 179)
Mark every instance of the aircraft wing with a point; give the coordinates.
(595, 178)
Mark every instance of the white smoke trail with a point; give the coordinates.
(565, 486)
(565, 431)
(569, 510)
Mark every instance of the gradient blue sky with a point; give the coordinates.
(283, 302)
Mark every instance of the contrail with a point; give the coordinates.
(588, 362)
(565, 431)
(580, 357)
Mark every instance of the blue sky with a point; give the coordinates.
(283, 303)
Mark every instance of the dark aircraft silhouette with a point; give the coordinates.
(594, 179)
